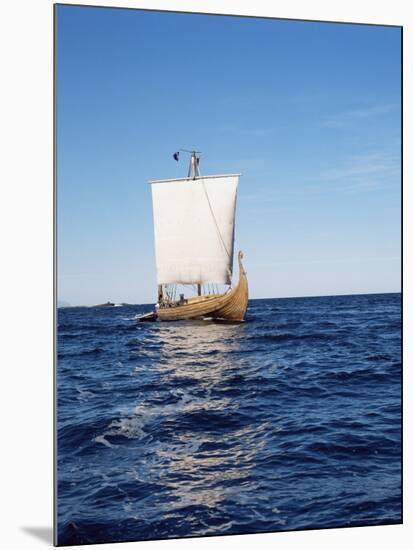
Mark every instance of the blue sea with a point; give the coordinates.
(291, 420)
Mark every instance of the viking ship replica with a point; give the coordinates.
(194, 223)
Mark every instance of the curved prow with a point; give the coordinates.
(236, 305)
(240, 266)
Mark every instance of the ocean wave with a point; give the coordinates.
(289, 421)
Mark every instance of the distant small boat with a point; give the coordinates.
(194, 223)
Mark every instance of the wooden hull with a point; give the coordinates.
(230, 306)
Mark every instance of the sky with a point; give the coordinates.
(308, 112)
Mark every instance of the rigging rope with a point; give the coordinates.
(213, 215)
(215, 221)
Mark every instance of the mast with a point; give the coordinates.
(193, 171)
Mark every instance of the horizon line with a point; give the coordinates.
(250, 299)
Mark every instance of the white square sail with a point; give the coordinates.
(194, 221)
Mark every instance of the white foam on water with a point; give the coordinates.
(131, 428)
(101, 439)
(84, 395)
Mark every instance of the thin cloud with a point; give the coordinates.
(364, 172)
(348, 118)
(361, 173)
